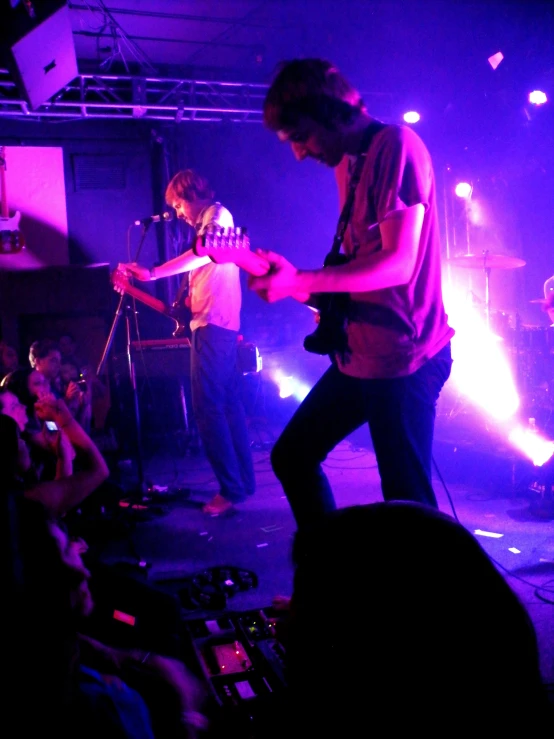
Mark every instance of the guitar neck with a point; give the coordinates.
(4, 212)
(147, 299)
(252, 263)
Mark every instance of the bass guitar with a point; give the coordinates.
(121, 285)
(11, 238)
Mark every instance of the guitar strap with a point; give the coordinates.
(344, 218)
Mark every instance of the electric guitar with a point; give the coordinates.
(230, 245)
(223, 245)
(121, 285)
(11, 238)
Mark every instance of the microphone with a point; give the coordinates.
(154, 219)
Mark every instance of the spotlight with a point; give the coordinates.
(286, 387)
(534, 446)
(289, 386)
(537, 97)
(463, 190)
(412, 117)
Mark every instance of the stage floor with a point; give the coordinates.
(182, 540)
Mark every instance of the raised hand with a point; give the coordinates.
(50, 408)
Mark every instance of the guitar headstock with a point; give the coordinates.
(120, 281)
(222, 245)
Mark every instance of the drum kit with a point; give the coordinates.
(531, 347)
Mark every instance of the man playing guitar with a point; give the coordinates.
(396, 352)
(215, 301)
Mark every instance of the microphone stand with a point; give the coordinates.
(121, 306)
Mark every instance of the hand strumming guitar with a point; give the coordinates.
(279, 282)
(132, 269)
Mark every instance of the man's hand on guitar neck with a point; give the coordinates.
(132, 269)
(279, 282)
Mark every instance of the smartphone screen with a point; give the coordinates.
(51, 426)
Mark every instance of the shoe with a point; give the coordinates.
(218, 505)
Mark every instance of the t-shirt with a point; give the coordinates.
(214, 289)
(393, 332)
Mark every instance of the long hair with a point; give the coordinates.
(314, 88)
(188, 185)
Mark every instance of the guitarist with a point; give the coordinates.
(396, 333)
(215, 301)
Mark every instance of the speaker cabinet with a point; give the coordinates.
(42, 60)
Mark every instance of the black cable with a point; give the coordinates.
(498, 564)
(446, 490)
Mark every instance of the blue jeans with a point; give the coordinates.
(219, 412)
(400, 413)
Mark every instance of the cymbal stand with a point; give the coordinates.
(488, 297)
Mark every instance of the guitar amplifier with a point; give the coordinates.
(171, 358)
(159, 358)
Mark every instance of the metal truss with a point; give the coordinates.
(149, 98)
(154, 98)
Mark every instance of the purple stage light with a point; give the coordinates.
(537, 97)
(412, 116)
(463, 190)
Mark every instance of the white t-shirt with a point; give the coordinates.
(214, 289)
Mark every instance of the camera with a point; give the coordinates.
(82, 383)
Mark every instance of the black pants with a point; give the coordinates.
(400, 413)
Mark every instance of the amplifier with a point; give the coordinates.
(171, 358)
(158, 358)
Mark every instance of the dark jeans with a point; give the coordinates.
(219, 412)
(401, 417)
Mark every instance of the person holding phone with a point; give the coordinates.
(67, 491)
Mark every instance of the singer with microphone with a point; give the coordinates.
(215, 302)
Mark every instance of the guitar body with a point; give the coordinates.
(330, 336)
(181, 316)
(11, 238)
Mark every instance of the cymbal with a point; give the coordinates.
(486, 261)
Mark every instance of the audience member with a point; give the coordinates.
(67, 492)
(68, 349)
(51, 456)
(400, 624)
(60, 678)
(9, 360)
(46, 358)
(77, 392)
